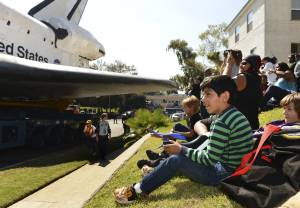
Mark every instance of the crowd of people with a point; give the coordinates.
(222, 113)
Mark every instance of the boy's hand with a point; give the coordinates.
(173, 148)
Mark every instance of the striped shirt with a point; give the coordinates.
(229, 140)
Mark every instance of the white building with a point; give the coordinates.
(267, 28)
(166, 100)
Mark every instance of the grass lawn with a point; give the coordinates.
(268, 116)
(18, 182)
(179, 192)
(22, 180)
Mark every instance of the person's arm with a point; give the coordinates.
(94, 129)
(200, 128)
(241, 82)
(229, 65)
(85, 129)
(109, 131)
(287, 75)
(223, 66)
(214, 150)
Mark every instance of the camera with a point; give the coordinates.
(237, 54)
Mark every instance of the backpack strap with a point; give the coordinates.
(245, 166)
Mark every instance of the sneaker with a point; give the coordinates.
(141, 163)
(155, 156)
(150, 163)
(125, 195)
(152, 155)
(146, 170)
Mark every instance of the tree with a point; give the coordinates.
(213, 41)
(117, 66)
(187, 60)
(97, 65)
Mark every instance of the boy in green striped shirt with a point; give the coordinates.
(230, 138)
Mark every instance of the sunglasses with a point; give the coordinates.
(244, 63)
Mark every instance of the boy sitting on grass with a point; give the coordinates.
(191, 107)
(229, 140)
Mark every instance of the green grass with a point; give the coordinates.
(24, 179)
(179, 192)
(18, 182)
(268, 116)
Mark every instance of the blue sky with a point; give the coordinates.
(137, 32)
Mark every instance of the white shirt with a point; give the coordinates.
(270, 75)
(103, 128)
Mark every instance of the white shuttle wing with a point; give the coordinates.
(22, 79)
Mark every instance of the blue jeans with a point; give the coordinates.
(276, 92)
(181, 164)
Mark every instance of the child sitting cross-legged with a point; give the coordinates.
(229, 140)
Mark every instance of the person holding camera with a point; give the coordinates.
(249, 88)
(232, 60)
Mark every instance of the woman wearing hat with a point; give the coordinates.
(90, 132)
(249, 89)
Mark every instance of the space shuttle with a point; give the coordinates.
(44, 56)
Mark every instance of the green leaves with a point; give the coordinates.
(187, 60)
(145, 119)
(213, 40)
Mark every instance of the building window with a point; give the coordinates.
(249, 21)
(295, 10)
(295, 48)
(237, 33)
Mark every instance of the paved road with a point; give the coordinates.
(116, 129)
